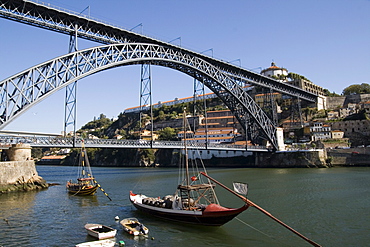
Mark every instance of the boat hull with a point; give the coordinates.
(75, 190)
(99, 243)
(134, 227)
(213, 215)
(100, 231)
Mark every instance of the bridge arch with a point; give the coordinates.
(21, 91)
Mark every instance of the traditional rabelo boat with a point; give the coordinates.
(85, 184)
(194, 201)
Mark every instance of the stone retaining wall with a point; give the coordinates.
(312, 158)
(12, 172)
(20, 176)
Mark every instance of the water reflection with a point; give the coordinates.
(84, 201)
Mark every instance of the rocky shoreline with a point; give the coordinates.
(35, 183)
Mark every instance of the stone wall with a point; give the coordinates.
(335, 102)
(20, 176)
(357, 98)
(17, 171)
(350, 156)
(316, 158)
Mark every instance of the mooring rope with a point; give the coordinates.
(272, 237)
(245, 223)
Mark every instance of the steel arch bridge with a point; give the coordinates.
(21, 91)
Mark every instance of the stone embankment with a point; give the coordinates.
(359, 156)
(294, 159)
(19, 173)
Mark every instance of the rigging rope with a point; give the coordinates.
(245, 223)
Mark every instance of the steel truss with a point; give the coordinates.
(70, 107)
(68, 142)
(66, 21)
(146, 96)
(20, 92)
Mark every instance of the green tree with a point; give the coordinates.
(167, 134)
(161, 115)
(357, 89)
(294, 76)
(329, 94)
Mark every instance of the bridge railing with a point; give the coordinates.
(61, 142)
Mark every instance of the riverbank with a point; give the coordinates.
(318, 158)
(359, 156)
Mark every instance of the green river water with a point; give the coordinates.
(329, 206)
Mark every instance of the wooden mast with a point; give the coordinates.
(186, 161)
(186, 150)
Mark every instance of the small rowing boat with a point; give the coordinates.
(100, 231)
(134, 227)
(99, 243)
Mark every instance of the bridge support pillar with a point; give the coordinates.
(280, 139)
(321, 103)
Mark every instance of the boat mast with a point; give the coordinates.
(186, 150)
(83, 159)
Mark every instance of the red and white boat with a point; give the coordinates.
(194, 201)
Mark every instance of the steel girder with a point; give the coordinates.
(67, 22)
(23, 90)
(68, 142)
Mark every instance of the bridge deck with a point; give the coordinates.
(34, 141)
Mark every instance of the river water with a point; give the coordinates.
(329, 206)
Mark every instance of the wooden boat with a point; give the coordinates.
(85, 184)
(100, 231)
(134, 227)
(99, 243)
(194, 201)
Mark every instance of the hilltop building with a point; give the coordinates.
(281, 74)
(275, 71)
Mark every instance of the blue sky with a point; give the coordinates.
(328, 42)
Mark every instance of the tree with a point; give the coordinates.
(357, 89)
(167, 134)
(161, 115)
(294, 76)
(329, 94)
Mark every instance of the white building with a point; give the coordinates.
(274, 71)
(320, 132)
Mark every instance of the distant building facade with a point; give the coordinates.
(352, 127)
(281, 75)
(320, 131)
